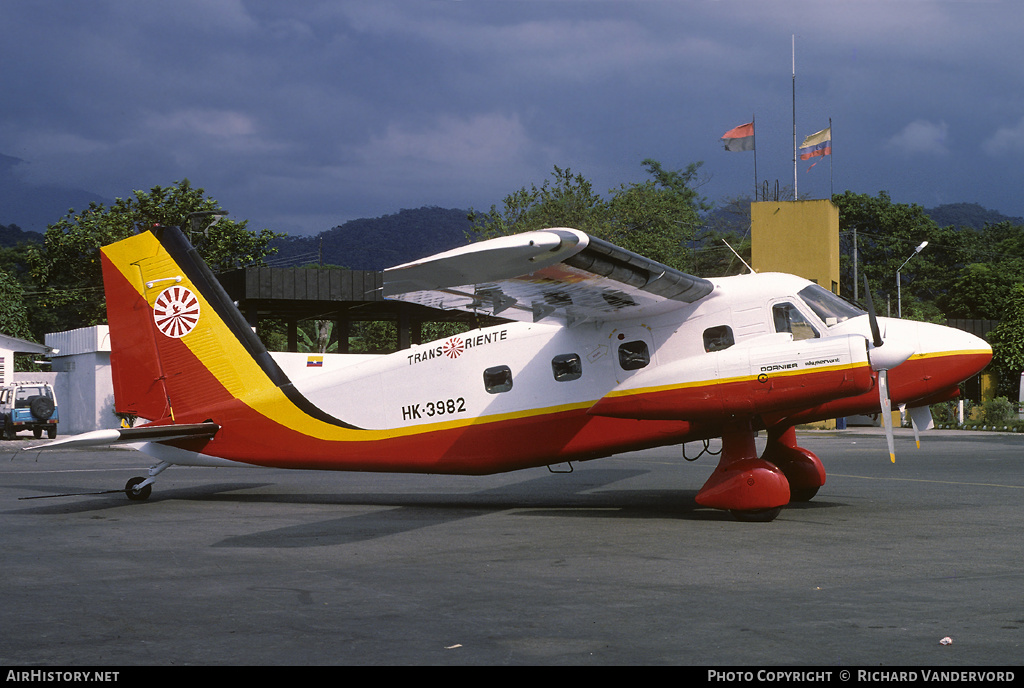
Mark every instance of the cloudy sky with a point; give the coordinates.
(301, 115)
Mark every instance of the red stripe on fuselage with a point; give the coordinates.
(480, 448)
(715, 400)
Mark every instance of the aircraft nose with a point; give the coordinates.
(941, 340)
(943, 356)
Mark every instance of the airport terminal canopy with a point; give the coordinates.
(343, 296)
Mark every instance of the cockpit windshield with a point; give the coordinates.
(830, 308)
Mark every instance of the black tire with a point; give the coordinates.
(37, 432)
(41, 407)
(756, 515)
(51, 431)
(805, 494)
(137, 495)
(9, 432)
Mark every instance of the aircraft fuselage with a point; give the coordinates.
(525, 394)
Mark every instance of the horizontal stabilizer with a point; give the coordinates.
(144, 433)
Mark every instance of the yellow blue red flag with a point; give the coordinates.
(817, 144)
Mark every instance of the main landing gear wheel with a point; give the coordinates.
(802, 468)
(135, 493)
(756, 515)
(802, 494)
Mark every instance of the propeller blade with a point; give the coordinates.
(917, 435)
(916, 432)
(882, 360)
(883, 398)
(921, 419)
(876, 334)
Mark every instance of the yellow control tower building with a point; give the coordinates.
(798, 237)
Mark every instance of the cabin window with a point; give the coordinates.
(498, 379)
(634, 355)
(718, 338)
(788, 319)
(567, 367)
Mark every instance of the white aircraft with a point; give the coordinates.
(604, 352)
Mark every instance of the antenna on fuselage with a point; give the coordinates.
(738, 256)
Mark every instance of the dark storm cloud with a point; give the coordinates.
(302, 115)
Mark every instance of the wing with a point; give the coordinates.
(552, 273)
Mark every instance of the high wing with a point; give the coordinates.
(556, 273)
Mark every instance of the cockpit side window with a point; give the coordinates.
(788, 319)
(830, 308)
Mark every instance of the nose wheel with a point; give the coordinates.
(137, 489)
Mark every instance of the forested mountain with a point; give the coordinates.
(968, 215)
(31, 206)
(377, 243)
(12, 235)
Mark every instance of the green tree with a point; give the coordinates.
(67, 266)
(981, 290)
(13, 315)
(963, 272)
(568, 202)
(656, 218)
(887, 234)
(995, 263)
(1007, 342)
(725, 233)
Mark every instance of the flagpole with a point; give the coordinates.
(831, 183)
(795, 194)
(753, 120)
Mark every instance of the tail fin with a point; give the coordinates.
(179, 346)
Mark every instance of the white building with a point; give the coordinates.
(12, 345)
(81, 379)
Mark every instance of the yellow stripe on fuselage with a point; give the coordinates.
(726, 380)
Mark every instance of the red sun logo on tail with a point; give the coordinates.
(176, 311)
